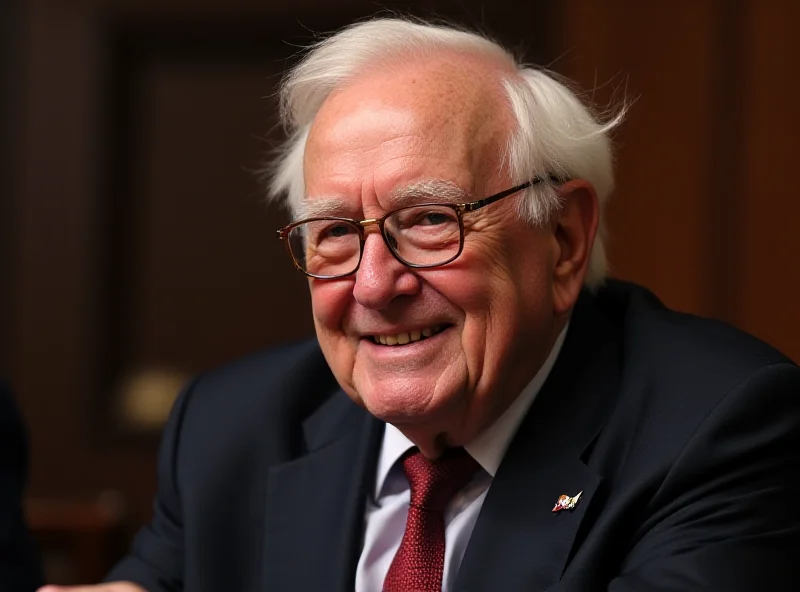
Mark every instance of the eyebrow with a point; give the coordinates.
(321, 206)
(436, 190)
(432, 189)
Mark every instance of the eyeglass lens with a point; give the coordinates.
(418, 235)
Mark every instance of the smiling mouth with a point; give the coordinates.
(407, 338)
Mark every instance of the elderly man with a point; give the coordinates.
(480, 410)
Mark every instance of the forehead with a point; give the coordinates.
(446, 120)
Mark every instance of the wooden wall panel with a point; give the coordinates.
(703, 213)
(51, 281)
(10, 70)
(658, 55)
(205, 239)
(768, 253)
(194, 273)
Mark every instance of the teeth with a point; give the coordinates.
(405, 338)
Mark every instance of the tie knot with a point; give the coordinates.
(434, 483)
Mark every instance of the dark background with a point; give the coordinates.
(136, 249)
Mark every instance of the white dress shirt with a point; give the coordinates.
(387, 508)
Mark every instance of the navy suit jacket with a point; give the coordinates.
(19, 567)
(682, 433)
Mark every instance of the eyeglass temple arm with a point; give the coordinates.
(476, 205)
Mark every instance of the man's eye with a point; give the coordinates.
(434, 219)
(337, 231)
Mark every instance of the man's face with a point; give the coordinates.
(382, 142)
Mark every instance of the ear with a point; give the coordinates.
(574, 227)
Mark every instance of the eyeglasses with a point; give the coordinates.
(419, 236)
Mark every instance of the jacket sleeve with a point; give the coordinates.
(19, 567)
(727, 516)
(155, 560)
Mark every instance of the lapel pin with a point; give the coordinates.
(566, 502)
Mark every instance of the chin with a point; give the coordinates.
(407, 401)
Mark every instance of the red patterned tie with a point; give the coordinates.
(418, 564)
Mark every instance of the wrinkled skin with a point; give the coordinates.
(503, 301)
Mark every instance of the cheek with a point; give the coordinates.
(505, 303)
(482, 290)
(329, 301)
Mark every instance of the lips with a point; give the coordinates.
(409, 337)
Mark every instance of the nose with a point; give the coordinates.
(381, 278)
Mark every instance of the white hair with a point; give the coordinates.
(556, 133)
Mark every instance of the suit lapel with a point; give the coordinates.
(518, 542)
(315, 504)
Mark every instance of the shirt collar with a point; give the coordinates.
(491, 444)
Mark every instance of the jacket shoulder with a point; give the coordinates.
(683, 346)
(681, 375)
(275, 372)
(264, 397)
